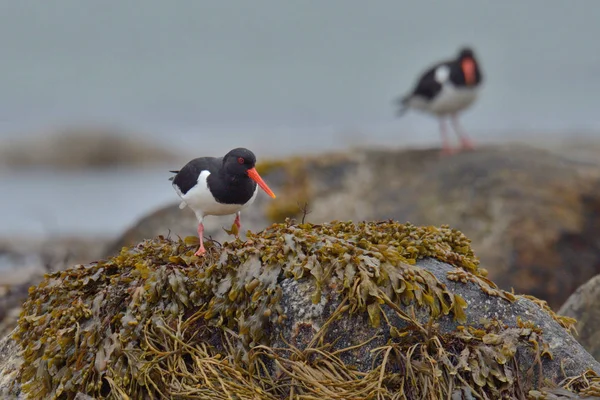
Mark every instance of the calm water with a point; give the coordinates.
(278, 77)
(106, 202)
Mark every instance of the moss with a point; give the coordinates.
(158, 320)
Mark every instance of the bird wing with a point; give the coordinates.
(427, 86)
(187, 177)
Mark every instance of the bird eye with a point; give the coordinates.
(241, 160)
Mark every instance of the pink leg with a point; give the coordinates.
(446, 148)
(201, 250)
(238, 223)
(465, 142)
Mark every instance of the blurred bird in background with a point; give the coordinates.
(444, 90)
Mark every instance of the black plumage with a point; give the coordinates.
(228, 181)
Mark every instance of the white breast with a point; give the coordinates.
(452, 99)
(202, 202)
(449, 100)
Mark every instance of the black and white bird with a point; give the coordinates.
(219, 186)
(444, 90)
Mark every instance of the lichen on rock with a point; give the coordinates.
(369, 321)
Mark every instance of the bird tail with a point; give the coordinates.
(173, 172)
(403, 104)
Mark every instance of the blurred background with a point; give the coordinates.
(100, 99)
(193, 78)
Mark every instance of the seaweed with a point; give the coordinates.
(157, 321)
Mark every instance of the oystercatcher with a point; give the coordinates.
(446, 89)
(219, 186)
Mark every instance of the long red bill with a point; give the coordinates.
(253, 174)
(468, 67)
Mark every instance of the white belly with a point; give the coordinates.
(201, 201)
(449, 101)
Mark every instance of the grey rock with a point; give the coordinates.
(10, 362)
(584, 306)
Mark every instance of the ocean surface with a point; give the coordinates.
(277, 77)
(38, 202)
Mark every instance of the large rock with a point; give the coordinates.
(584, 306)
(336, 311)
(532, 214)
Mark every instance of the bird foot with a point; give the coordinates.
(201, 251)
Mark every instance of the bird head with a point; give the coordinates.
(242, 162)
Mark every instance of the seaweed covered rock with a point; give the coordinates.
(337, 311)
(488, 194)
(584, 306)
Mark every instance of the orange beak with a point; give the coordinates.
(468, 67)
(253, 174)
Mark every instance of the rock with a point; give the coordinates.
(78, 148)
(10, 363)
(530, 213)
(584, 306)
(335, 310)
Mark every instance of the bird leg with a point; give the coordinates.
(465, 142)
(446, 148)
(237, 223)
(201, 250)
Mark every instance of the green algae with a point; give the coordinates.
(157, 319)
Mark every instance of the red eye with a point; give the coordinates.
(241, 160)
